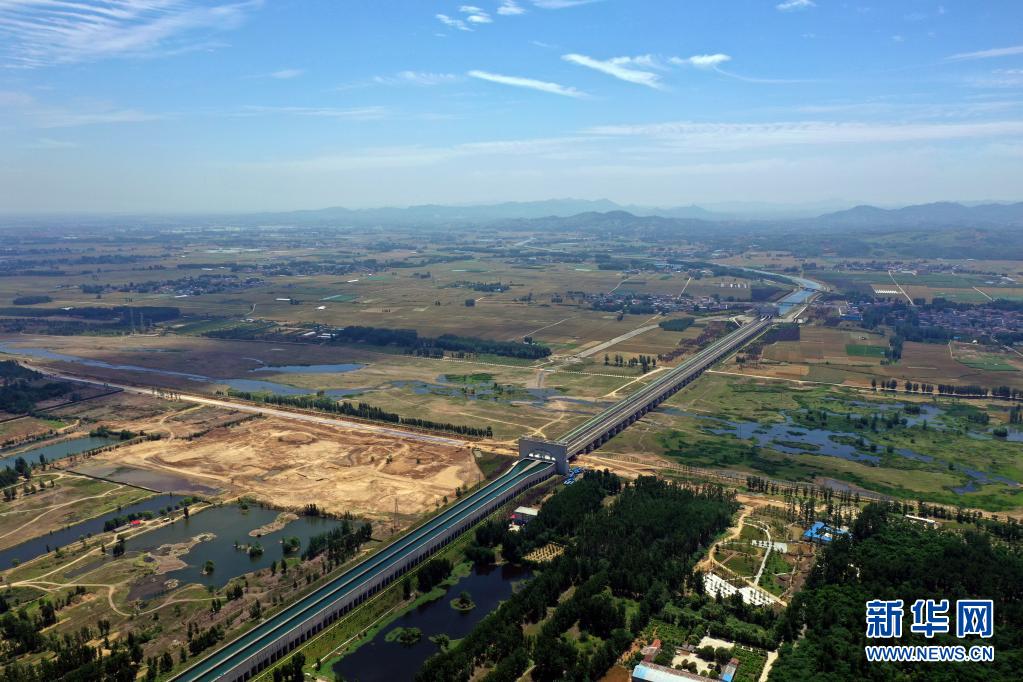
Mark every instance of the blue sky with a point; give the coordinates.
(236, 105)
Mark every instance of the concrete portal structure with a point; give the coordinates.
(615, 419)
(542, 450)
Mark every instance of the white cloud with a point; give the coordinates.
(452, 23)
(790, 5)
(987, 54)
(35, 33)
(621, 68)
(423, 78)
(702, 61)
(476, 14)
(286, 74)
(510, 8)
(529, 83)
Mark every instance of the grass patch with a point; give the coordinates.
(987, 364)
(477, 378)
(860, 350)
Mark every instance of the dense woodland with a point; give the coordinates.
(411, 342)
(621, 560)
(21, 388)
(889, 558)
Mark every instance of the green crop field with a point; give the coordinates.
(864, 351)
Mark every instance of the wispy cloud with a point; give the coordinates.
(286, 74)
(353, 114)
(622, 68)
(714, 61)
(476, 14)
(280, 74)
(510, 8)
(50, 143)
(452, 22)
(420, 155)
(699, 137)
(790, 5)
(23, 110)
(528, 83)
(986, 54)
(63, 118)
(421, 78)
(764, 81)
(36, 33)
(562, 4)
(702, 61)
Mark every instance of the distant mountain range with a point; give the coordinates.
(574, 212)
(593, 215)
(435, 213)
(940, 214)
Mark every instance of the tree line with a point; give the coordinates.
(411, 342)
(360, 410)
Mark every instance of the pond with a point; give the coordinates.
(383, 661)
(90, 527)
(55, 451)
(228, 525)
(479, 390)
(340, 368)
(795, 439)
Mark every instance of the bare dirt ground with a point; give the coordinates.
(290, 464)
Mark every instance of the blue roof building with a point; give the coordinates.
(822, 532)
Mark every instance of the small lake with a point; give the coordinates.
(383, 661)
(230, 524)
(91, 527)
(60, 450)
(340, 368)
(478, 390)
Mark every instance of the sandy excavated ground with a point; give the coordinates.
(290, 464)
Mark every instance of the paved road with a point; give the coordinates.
(616, 340)
(265, 410)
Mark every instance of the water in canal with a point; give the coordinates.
(91, 527)
(383, 661)
(239, 384)
(55, 451)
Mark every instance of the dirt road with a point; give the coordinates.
(266, 410)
